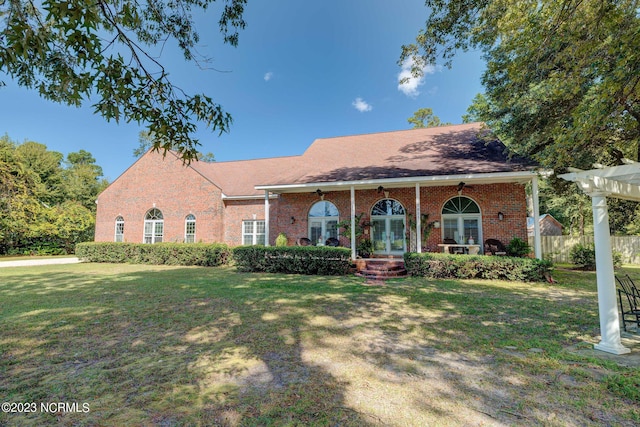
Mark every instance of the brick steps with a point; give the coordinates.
(380, 268)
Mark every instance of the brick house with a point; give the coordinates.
(468, 186)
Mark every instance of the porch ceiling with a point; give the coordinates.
(521, 177)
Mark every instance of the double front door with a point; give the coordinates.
(388, 235)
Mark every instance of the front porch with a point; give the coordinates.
(397, 215)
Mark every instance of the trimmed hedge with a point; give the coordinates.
(445, 266)
(320, 260)
(202, 254)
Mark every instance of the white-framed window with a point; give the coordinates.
(153, 226)
(119, 235)
(388, 225)
(253, 232)
(323, 222)
(190, 229)
(461, 220)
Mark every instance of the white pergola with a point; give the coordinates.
(622, 182)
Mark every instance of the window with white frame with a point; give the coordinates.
(190, 229)
(153, 226)
(119, 237)
(461, 220)
(253, 232)
(323, 222)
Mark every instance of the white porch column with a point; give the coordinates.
(353, 223)
(537, 244)
(418, 220)
(266, 218)
(607, 305)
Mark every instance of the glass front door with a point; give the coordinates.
(322, 229)
(388, 235)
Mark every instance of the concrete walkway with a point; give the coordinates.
(629, 339)
(39, 261)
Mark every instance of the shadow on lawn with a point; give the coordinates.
(201, 346)
(163, 348)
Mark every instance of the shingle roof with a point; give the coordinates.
(448, 150)
(238, 178)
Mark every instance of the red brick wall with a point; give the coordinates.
(165, 183)
(178, 191)
(237, 211)
(510, 199)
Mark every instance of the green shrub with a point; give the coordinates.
(583, 256)
(445, 266)
(281, 240)
(518, 247)
(202, 254)
(321, 260)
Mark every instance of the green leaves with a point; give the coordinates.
(76, 50)
(562, 80)
(43, 204)
(424, 118)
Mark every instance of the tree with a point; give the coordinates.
(70, 50)
(45, 207)
(562, 79)
(45, 166)
(82, 179)
(146, 141)
(424, 118)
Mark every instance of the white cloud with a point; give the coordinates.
(268, 76)
(361, 105)
(408, 83)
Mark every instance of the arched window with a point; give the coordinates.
(153, 226)
(461, 219)
(190, 229)
(388, 224)
(119, 229)
(387, 207)
(323, 222)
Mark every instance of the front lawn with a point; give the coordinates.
(165, 346)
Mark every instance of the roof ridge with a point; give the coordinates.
(400, 130)
(256, 159)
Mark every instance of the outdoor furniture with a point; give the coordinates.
(629, 292)
(452, 247)
(494, 247)
(457, 248)
(332, 241)
(303, 241)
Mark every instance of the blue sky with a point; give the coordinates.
(301, 71)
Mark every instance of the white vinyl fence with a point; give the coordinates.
(558, 248)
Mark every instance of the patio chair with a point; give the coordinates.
(332, 241)
(494, 247)
(303, 241)
(627, 291)
(453, 249)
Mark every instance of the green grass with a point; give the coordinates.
(157, 345)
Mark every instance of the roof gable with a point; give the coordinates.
(155, 163)
(439, 151)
